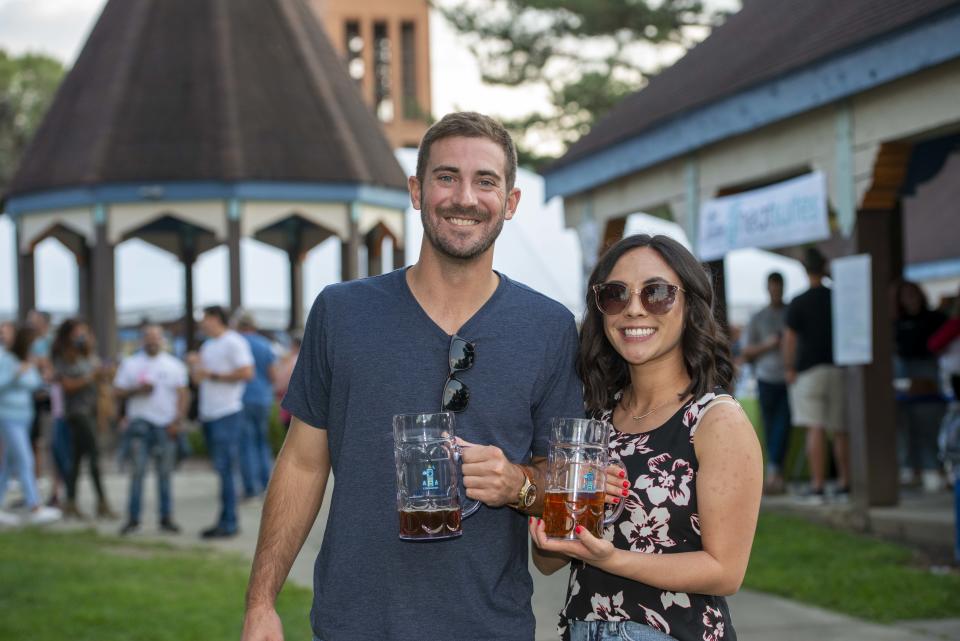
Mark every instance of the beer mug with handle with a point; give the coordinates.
(576, 478)
(429, 498)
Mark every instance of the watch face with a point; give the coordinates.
(530, 497)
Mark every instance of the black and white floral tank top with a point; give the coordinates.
(659, 517)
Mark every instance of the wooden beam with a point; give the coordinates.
(871, 414)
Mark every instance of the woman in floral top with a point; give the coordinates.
(655, 365)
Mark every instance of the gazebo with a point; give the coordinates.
(193, 123)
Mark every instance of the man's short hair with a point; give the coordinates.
(468, 124)
(775, 277)
(814, 262)
(218, 312)
(244, 320)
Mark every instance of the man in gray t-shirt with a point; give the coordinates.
(762, 349)
(381, 346)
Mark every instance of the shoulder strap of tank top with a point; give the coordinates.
(719, 399)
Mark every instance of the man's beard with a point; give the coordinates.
(447, 248)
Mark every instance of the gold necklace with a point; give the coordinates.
(658, 407)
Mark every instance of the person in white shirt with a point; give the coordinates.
(222, 368)
(154, 385)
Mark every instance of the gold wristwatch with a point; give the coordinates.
(527, 495)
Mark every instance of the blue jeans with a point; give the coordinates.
(919, 424)
(225, 434)
(146, 441)
(956, 515)
(62, 447)
(614, 631)
(255, 455)
(18, 456)
(775, 410)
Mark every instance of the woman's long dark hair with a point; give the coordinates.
(706, 350)
(22, 340)
(63, 348)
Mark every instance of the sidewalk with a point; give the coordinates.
(757, 617)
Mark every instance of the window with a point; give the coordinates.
(354, 49)
(408, 55)
(382, 90)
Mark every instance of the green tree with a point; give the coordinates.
(586, 53)
(27, 86)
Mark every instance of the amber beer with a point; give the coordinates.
(564, 510)
(429, 524)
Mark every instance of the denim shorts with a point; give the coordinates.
(614, 631)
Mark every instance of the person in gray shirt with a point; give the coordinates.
(447, 333)
(762, 350)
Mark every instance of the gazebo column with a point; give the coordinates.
(233, 246)
(350, 249)
(26, 280)
(188, 256)
(399, 255)
(295, 256)
(374, 243)
(103, 308)
(84, 285)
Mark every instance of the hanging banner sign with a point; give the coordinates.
(852, 300)
(792, 212)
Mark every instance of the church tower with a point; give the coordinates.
(386, 46)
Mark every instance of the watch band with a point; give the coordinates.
(523, 502)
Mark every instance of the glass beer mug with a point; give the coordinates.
(428, 477)
(576, 478)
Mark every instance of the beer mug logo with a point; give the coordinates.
(430, 478)
(589, 482)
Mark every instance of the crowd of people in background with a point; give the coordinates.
(60, 404)
(55, 394)
(788, 347)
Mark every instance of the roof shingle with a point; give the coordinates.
(207, 90)
(766, 39)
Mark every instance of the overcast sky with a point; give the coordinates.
(534, 249)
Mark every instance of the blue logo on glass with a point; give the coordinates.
(430, 478)
(588, 482)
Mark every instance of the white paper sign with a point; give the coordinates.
(788, 213)
(852, 310)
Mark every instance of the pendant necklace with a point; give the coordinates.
(658, 407)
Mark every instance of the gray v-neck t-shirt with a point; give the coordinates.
(370, 352)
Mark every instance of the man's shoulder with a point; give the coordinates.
(803, 298)
(370, 290)
(169, 360)
(258, 341)
(520, 294)
(232, 337)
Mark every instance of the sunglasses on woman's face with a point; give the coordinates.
(656, 298)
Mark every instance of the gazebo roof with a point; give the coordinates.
(208, 91)
(765, 40)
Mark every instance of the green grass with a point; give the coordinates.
(848, 573)
(83, 587)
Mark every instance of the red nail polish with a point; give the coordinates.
(579, 529)
(626, 484)
(622, 474)
(616, 500)
(625, 493)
